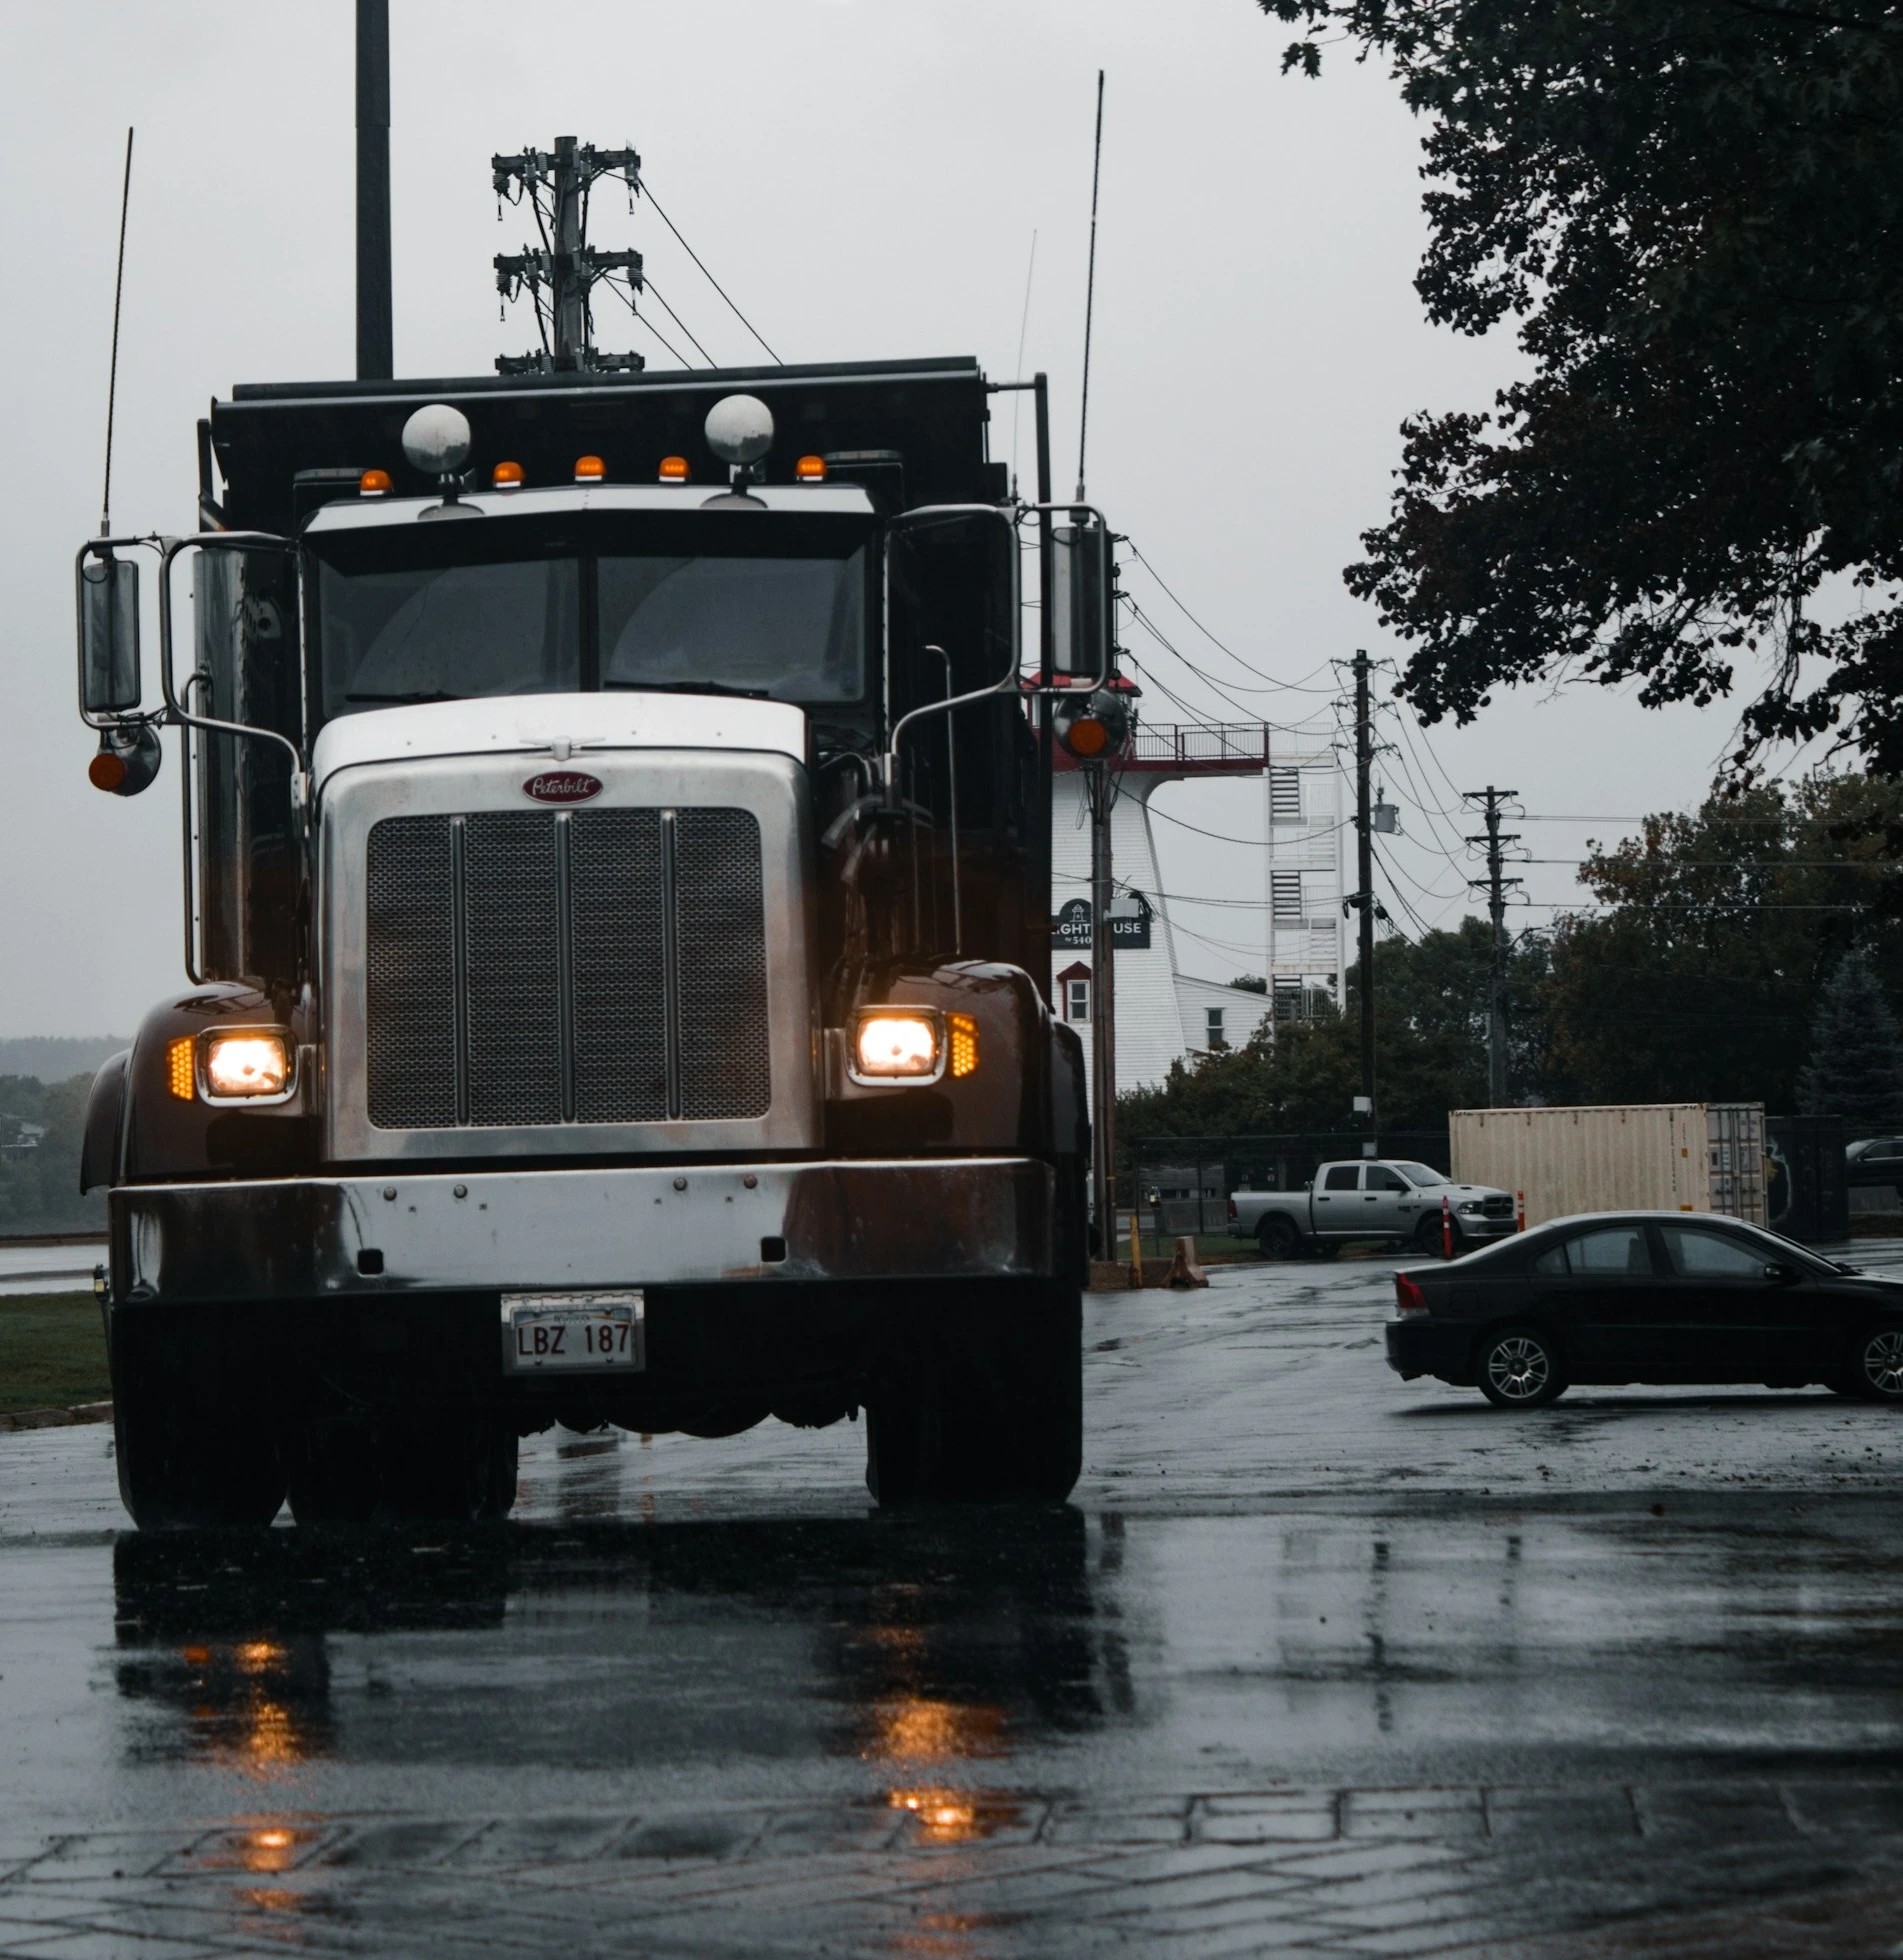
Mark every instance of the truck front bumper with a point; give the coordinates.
(316, 1237)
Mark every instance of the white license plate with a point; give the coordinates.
(549, 1331)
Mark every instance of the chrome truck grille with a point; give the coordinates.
(529, 968)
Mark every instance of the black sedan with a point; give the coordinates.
(1646, 1297)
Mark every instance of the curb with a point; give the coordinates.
(55, 1418)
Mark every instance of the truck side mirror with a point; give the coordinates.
(1080, 599)
(109, 682)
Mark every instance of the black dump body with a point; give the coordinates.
(928, 417)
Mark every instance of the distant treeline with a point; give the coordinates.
(58, 1058)
(41, 1125)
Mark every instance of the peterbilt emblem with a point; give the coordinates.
(562, 786)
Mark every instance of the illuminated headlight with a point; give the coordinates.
(244, 1065)
(895, 1046)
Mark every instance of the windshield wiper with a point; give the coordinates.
(685, 687)
(404, 700)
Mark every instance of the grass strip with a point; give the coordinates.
(52, 1351)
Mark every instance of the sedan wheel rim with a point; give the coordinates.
(1518, 1368)
(1883, 1363)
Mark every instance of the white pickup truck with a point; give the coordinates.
(1370, 1198)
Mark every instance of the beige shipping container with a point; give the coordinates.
(1617, 1157)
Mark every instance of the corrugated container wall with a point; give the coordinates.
(1617, 1157)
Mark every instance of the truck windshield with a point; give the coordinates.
(487, 606)
(1420, 1174)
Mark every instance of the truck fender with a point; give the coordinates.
(105, 1109)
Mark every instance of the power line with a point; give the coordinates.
(628, 300)
(641, 182)
(1294, 687)
(655, 292)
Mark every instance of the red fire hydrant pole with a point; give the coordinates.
(1519, 1217)
(1446, 1228)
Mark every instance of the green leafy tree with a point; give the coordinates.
(39, 1187)
(1697, 979)
(1430, 1051)
(1690, 208)
(1856, 1061)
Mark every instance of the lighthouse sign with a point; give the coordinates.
(1129, 924)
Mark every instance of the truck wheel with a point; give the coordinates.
(453, 1466)
(193, 1439)
(1427, 1235)
(990, 1409)
(1278, 1237)
(334, 1471)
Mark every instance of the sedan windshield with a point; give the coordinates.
(773, 607)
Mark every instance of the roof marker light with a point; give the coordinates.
(810, 469)
(590, 469)
(674, 469)
(374, 483)
(507, 476)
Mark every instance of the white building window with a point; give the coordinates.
(1285, 897)
(1217, 1039)
(1077, 1000)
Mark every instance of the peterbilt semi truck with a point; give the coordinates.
(616, 819)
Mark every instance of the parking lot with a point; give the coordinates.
(1316, 1660)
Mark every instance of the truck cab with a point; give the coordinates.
(616, 823)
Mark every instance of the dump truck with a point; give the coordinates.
(615, 815)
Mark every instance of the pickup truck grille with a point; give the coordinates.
(1501, 1207)
(529, 968)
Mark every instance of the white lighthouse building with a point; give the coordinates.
(1163, 1014)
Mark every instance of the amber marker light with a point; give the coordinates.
(1087, 736)
(963, 1043)
(894, 1045)
(106, 770)
(374, 483)
(810, 469)
(590, 469)
(255, 1064)
(674, 469)
(507, 476)
(178, 1067)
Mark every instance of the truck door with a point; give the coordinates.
(1389, 1203)
(1336, 1201)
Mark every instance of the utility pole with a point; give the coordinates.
(376, 359)
(1491, 800)
(560, 276)
(1103, 1008)
(1364, 871)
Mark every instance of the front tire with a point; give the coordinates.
(987, 1409)
(447, 1466)
(1876, 1371)
(193, 1437)
(1519, 1368)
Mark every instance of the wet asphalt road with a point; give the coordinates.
(1316, 1661)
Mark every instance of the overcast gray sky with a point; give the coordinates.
(865, 178)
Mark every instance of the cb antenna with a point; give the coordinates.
(1090, 292)
(112, 378)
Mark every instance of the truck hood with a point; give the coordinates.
(548, 724)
